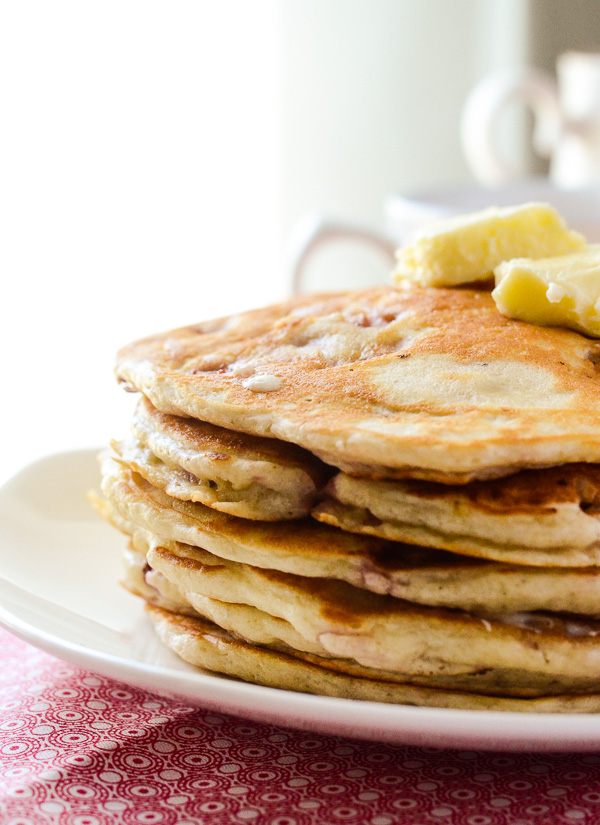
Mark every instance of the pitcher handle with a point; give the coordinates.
(481, 116)
(313, 232)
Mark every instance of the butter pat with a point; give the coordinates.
(468, 248)
(559, 291)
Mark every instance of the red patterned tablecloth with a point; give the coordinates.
(80, 749)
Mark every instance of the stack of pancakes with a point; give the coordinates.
(391, 494)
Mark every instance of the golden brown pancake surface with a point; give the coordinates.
(389, 382)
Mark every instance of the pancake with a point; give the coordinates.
(253, 605)
(204, 645)
(386, 382)
(380, 632)
(250, 477)
(532, 517)
(353, 633)
(256, 626)
(519, 653)
(311, 549)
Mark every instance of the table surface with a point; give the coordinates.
(80, 749)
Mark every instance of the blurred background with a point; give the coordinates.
(156, 159)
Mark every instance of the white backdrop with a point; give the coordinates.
(138, 190)
(155, 155)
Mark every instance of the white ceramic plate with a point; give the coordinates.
(59, 568)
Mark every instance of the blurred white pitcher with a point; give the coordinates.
(566, 121)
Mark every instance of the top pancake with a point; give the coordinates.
(386, 382)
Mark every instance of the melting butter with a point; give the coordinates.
(468, 248)
(557, 291)
(262, 382)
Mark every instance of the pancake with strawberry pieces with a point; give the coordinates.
(386, 382)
